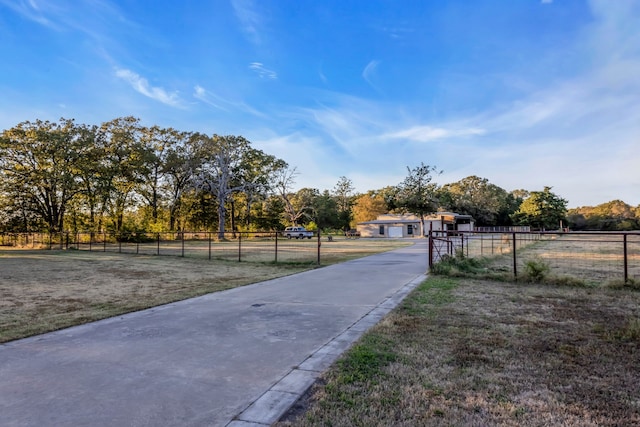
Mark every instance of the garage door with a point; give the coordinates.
(395, 231)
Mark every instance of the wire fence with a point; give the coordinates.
(233, 246)
(593, 257)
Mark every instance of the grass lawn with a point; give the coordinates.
(43, 290)
(470, 352)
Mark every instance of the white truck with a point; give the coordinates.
(297, 232)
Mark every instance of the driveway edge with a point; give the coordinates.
(276, 401)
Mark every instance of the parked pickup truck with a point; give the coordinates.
(297, 232)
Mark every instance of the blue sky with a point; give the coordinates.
(525, 93)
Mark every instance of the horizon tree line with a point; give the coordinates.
(124, 177)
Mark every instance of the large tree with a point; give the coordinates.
(162, 145)
(285, 178)
(40, 166)
(542, 210)
(477, 197)
(180, 164)
(257, 178)
(368, 206)
(343, 195)
(126, 165)
(417, 194)
(220, 171)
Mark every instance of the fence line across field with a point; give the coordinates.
(240, 246)
(591, 256)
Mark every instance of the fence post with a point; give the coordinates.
(515, 267)
(209, 246)
(626, 266)
(430, 249)
(276, 247)
(240, 247)
(182, 239)
(158, 240)
(319, 247)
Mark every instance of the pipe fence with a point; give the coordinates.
(594, 257)
(234, 246)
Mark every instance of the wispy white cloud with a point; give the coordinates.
(369, 72)
(250, 19)
(262, 71)
(32, 11)
(214, 100)
(141, 85)
(423, 133)
(207, 97)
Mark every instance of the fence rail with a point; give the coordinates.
(238, 246)
(591, 256)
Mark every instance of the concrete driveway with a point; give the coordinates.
(236, 358)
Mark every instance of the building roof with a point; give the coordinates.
(391, 221)
(400, 220)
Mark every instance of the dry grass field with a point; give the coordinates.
(42, 290)
(594, 258)
(465, 352)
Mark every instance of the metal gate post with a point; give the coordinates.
(515, 267)
(626, 266)
(430, 249)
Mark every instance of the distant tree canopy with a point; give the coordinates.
(542, 210)
(611, 216)
(487, 203)
(122, 176)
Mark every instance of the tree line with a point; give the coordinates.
(123, 177)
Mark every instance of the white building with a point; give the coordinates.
(409, 225)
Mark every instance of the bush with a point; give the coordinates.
(536, 270)
(461, 266)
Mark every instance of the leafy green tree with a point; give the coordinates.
(94, 176)
(256, 178)
(477, 197)
(40, 163)
(542, 210)
(267, 214)
(305, 201)
(417, 194)
(326, 212)
(126, 161)
(180, 164)
(343, 195)
(160, 144)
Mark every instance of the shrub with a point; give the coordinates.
(536, 270)
(461, 266)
